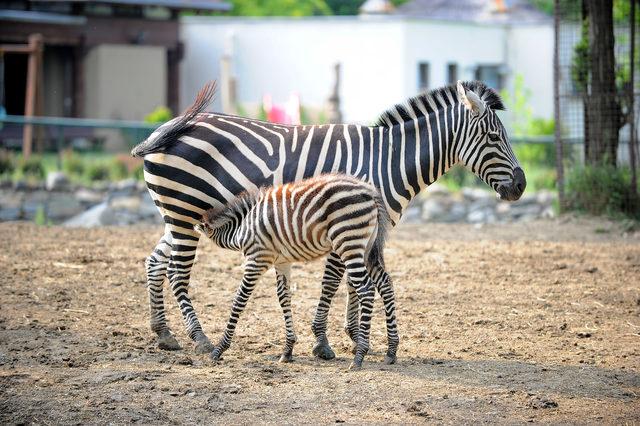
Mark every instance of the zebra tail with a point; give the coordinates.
(384, 221)
(168, 134)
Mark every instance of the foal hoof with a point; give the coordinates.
(286, 358)
(354, 348)
(323, 352)
(390, 359)
(168, 343)
(216, 355)
(204, 346)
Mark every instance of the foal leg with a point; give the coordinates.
(283, 274)
(253, 270)
(333, 272)
(351, 322)
(358, 277)
(156, 266)
(384, 286)
(183, 252)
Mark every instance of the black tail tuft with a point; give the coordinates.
(384, 221)
(169, 134)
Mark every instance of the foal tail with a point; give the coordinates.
(384, 221)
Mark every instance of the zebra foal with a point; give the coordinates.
(298, 222)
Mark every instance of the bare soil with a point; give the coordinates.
(500, 324)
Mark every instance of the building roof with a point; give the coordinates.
(211, 5)
(480, 11)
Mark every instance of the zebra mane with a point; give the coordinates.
(236, 207)
(440, 97)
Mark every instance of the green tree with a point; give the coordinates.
(280, 8)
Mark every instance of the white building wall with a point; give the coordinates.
(379, 57)
(530, 53)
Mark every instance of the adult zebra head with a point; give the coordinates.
(484, 147)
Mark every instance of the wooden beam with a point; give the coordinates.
(33, 69)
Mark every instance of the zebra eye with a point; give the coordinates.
(494, 137)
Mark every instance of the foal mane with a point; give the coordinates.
(237, 206)
(441, 97)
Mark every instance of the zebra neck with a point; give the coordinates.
(412, 156)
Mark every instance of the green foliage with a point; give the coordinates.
(6, 163)
(72, 164)
(581, 60)
(40, 217)
(159, 115)
(31, 168)
(118, 170)
(602, 190)
(351, 7)
(280, 8)
(95, 172)
(458, 177)
(524, 123)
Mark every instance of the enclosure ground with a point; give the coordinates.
(507, 323)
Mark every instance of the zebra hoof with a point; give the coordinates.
(355, 366)
(168, 343)
(390, 359)
(286, 358)
(323, 352)
(204, 346)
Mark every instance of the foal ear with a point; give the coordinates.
(470, 100)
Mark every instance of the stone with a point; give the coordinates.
(129, 185)
(63, 206)
(131, 203)
(433, 209)
(475, 194)
(89, 196)
(57, 181)
(545, 197)
(148, 209)
(33, 202)
(91, 217)
(411, 215)
(437, 189)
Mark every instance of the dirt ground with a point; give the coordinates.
(535, 322)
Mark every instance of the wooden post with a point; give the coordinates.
(556, 105)
(632, 115)
(35, 58)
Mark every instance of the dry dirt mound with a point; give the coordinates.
(510, 323)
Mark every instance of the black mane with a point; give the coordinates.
(440, 97)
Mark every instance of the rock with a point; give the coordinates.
(10, 213)
(20, 185)
(10, 206)
(33, 202)
(541, 402)
(90, 218)
(433, 209)
(63, 206)
(545, 197)
(57, 181)
(437, 189)
(130, 203)
(127, 185)
(475, 194)
(88, 196)
(148, 209)
(411, 215)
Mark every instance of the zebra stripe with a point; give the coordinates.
(199, 161)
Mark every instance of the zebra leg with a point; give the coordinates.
(156, 266)
(253, 270)
(361, 281)
(183, 254)
(283, 274)
(384, 286)
(351, 324)
(333, 272)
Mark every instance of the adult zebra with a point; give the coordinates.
(201, 160)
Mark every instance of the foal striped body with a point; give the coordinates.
(298, 222)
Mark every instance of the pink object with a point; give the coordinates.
(288, 114)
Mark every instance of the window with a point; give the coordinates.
(423, 76)
(491, 75)
(452, 73)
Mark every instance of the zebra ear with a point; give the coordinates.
(470, 100)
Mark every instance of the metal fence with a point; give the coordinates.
(596, 116)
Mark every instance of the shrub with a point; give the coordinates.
(97, 172)
(602, 190)
(31, 167)
(117, 169)
(72, 164)
(159, 115)
(6, 163)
